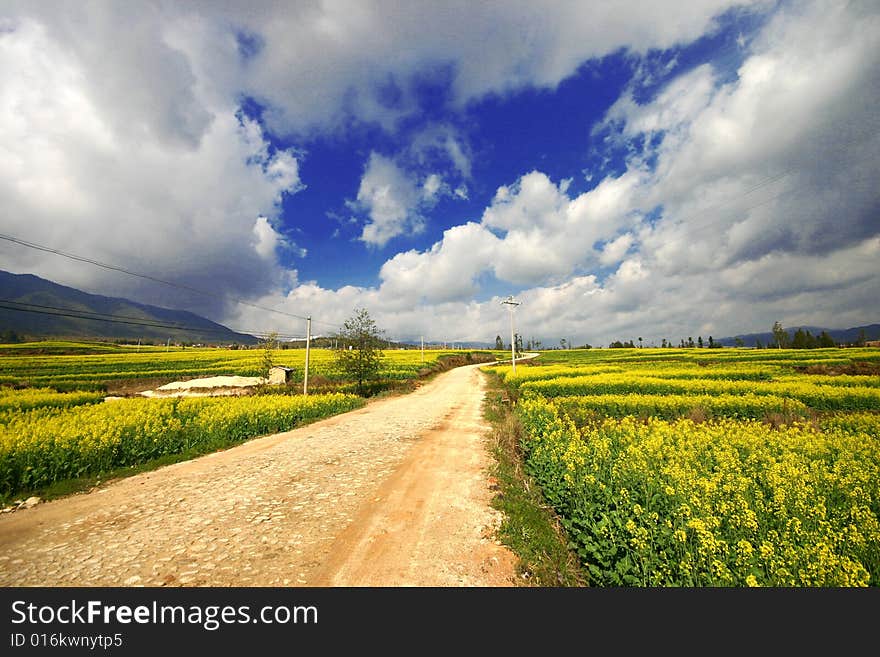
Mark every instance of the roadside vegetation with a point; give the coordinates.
(529, 527)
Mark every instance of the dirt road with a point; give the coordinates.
(394, 494)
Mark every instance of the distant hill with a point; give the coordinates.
(872, 332)
(34, 307)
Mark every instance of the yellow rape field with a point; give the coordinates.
(722, 503)
(95, 371)
(43, 446)
(693, 468)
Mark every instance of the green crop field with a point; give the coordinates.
(698, 467)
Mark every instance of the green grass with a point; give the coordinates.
(529, 526)
(82, 484)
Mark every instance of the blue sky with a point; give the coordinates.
(656, 170)
(504, 136)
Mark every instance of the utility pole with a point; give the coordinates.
(511, 306)
(308, 340)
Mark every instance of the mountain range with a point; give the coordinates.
(34, 307)
(841, 336)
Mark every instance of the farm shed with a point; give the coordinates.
(280, 375)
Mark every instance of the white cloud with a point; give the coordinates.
(614, 250)
(675, 105)
(442, 142)
(267, 238)
(395, 200)
(391, 199)
(767, 210)
(533, 201)
(432, 185)
(544, 236)
(184, 206)
(320, 63)
(444, 273)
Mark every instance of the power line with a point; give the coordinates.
(58, 311)
(256, 333)
(116, 319)
(73, 256)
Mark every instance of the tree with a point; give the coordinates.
(700, 341)
(267, 361)
(826, 340)
(358, 353)
(640, 342)
(799, 341)
(780, 335)
(562, 343)
(663, 343)
(10, 336)
(739, 342)
(711, 342)
(499, 343)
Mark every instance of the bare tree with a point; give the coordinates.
(269, 344)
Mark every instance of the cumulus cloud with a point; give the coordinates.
(133, 185)
(533, 233)
(614, 250)
(747, 198)
(444, 273)
(775, 158)
(391, 198)
(395, 198)
(319, 64)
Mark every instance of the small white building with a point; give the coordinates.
(280, 375)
